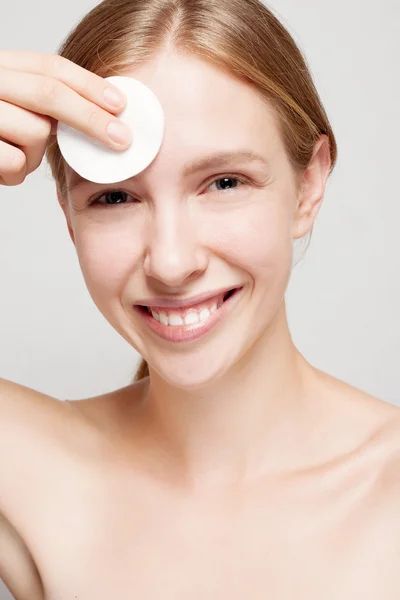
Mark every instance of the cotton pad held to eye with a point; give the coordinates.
(98, 163)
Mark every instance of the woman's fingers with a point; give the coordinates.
(39, 90)
(27, 130)
(47, 96)
(87, 84)
(12, 164)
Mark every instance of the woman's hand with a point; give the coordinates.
(36, 91)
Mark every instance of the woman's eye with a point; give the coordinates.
(226, 182)
(111, 198)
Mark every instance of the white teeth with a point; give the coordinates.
(192, 318)
(175, 320)
(204, 314)
(163, 319)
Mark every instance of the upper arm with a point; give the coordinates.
(17, 568)
(24, 418)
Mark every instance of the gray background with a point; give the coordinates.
(343, 298)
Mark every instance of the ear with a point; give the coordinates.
(64, 205)
(312, 188)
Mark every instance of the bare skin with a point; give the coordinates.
(110, 518)
(236, 470)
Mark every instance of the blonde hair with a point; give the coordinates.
(242, 37)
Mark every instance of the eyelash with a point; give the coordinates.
(96, 200)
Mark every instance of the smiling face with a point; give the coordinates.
(175, 231)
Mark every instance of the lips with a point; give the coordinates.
(176, 332)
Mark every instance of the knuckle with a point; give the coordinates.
(88, 79)
(35, 164)
(42, 129)
(17, 162)
(49, 90)
(94, 119)
(52, 64)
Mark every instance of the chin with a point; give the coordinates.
(190, 374)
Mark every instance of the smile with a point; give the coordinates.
(191, 323)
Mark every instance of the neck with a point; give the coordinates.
(253, 420)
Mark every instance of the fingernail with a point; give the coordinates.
(119, 133)
(113, 97)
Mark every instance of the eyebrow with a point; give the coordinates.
(218, 159)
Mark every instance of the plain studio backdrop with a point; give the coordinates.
(344, 296)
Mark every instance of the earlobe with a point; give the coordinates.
(64, 205)
(312, 188)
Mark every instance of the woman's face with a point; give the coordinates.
(176, 232)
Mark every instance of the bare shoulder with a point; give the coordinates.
(389, 439)
(383, 503)
(383, 442)
(27, 420)
(385, 439)
(43, 442)
(380, 455)
(40, 435)
(369, 428)
(22, 410)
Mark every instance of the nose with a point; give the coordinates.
(174, 253)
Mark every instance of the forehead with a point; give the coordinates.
(210, 116)
(196, 93)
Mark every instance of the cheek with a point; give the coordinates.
(258, 238)
(107, 257)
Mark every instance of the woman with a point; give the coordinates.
(231, 468)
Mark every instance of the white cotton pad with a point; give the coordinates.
(98, 163)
